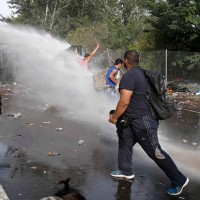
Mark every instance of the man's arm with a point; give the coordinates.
(112, 77)
(93, 52)
(125, 97)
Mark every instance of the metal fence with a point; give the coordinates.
(174, 65)
(8, 63)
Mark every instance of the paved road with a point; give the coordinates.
(27, 172)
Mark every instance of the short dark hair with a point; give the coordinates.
(86, 55)
(118, 61)
(132, 56)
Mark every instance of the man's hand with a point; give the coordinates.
(112, 120)
(125, 96)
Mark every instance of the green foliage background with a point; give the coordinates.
(115, 24)
(144, 25)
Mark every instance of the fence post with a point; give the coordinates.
(108, 57)
(166, 66)
(1, 65)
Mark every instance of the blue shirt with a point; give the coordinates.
(135, 80)
(108, 80)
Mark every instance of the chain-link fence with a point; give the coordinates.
(174, 65)
(8, 63)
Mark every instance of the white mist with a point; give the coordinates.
(53, 73)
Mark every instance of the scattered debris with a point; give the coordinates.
(178, 106)
(53, 154)
(194, 143)
(46, 122)
(177, 88)
(16, 115)
(31, 124)
(7, 91)
(186, 92)
(33, 167)
(185, 141)
(187, 101)
(80, 142)
(174, 94)
(59, 129)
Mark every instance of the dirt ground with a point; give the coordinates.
(186, 100)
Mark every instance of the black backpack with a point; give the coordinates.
(159, 104)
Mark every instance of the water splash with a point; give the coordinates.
(55, 77)
(52, 72)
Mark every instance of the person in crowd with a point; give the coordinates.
(111, 80)
(135, 124)
(84, 62)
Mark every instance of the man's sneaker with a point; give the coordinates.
(177, 190)
(119, 174)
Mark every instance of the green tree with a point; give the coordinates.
(111, 29)
(177, 24)
(114, 23)
(55, 15)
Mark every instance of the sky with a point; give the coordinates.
(4, 9)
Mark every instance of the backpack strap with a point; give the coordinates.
(145, 94)
(140, 93)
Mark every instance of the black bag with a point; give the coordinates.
(160, 106)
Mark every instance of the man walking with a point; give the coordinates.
(140, 127)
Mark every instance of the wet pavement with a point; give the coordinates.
(27, 172)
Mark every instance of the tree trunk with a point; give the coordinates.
(53, 16)
(46, 13)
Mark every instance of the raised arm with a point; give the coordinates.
(92, 53)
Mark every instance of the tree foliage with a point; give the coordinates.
(113, 23)
(116, 24)
(176, 22)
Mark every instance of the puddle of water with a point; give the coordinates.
(7, 157)
(3, 150)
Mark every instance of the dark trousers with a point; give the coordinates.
(144, 131)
